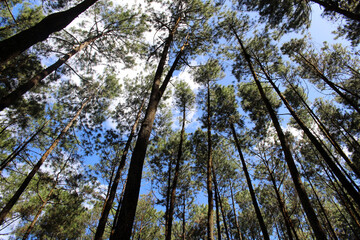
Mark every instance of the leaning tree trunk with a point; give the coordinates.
(210, 215)
(14, 154)
(132, 189)
(175, 179)
(288, 223)
(37, 166)
(331, 84)
(15, 95)
(234, 210)
(334, 168)
(109, 201)
(44, 202)
(251, 189)
(13, 46)
(304, 199)
(328, 6)
(327, 134)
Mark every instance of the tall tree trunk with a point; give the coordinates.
(44, 202)
(37, 166)
(13, 46)
(330, 83)
(167, 200)
(15, 95)
(109, 201)
(288, 223)
(210, 215)
(333, 7)
(176, 176)
(331, 229)
(116, 217)
(132, 189)
(234, 211)
(310, 213)
(184, 219)
(251, 189)
(14, 154)
(222, 213)
(334, 168)
(217, 207)
(327, 134)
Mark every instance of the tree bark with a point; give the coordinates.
(176, 176)
(109, 201)
(251, 189)
(14, 154)
(15, 95)
(305, 201)
(132, 189)
(13, 46)
(37, 166)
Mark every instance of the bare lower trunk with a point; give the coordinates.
(176, 176)
(234, 211)
(210, 216)
(251, 189)
(109, 201)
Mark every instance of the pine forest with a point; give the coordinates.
(183, 119)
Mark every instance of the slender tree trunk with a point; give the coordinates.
(331, 229)
(13, 46)
(168, 192)
(132, 189)
(210, 215)
(344, 181)
(116, 217)
(234, 210)
(31, 226)
(184, 219)
(176, 176)
(217, 207)
(330, 83)
(251, 189)
(328, 6)
(15, 95)
(288, 223)
(37, 166)
(109, 201)
(327, 134)
(8, 125)
(311, 215)
(14, 154)
(223, 214)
